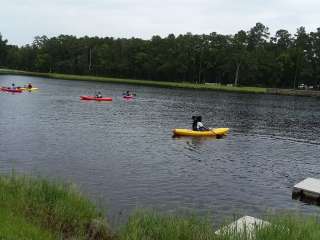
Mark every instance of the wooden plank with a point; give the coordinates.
(309, 187)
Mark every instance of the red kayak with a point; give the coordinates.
(95, 98)
(16, 90)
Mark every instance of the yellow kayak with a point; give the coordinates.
(29, 89)
(213, 132)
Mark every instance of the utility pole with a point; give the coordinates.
(236, 78)
(89, 66)
(300, 57)
(295, 75)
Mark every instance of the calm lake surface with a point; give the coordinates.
(122, 155)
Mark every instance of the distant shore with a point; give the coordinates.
(185, 85)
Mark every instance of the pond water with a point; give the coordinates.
(122, 155)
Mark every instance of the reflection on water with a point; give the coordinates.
(123, 156)
(195, 144)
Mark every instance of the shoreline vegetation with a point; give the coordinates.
(34, 208)
(184, 85)
(252, 57)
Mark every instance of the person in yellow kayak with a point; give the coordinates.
(29, 86)
(197, 124)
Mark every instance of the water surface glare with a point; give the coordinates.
(123, 156)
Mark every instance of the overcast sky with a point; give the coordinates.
(22, 20)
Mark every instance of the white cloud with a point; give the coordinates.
(21, 20)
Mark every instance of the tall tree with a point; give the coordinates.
(3, 51)
(239, 52)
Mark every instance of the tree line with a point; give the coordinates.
(248, 58)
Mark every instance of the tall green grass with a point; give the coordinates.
(57, 208)
(291, 227)
(33, 208)
(151, 226)
(16, 227)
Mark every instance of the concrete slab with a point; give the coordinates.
(245, 224)
(309, 187)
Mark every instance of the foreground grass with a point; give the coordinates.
(214, 87)
(16, 227)
(47, 210)
(37, 209)
(148, 226)
(151, 225)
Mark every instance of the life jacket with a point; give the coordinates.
(194, 125)
(195, 119)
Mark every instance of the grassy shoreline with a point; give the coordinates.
(210, 87)
(162, 84)
(33, 208)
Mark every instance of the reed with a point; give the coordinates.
(150, 225)
(53, 207)
(34, 208)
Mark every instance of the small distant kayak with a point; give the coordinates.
(16, 90)
(29, 89)
(213, 132)
(95, 98)
(128, 97)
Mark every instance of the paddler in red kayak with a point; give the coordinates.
(128, 94)
(99, 95)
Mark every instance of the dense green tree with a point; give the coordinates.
(3, 51)
(246, 58)
(314, 57)
(239, 52)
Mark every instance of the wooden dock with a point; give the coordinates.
(308, 190)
